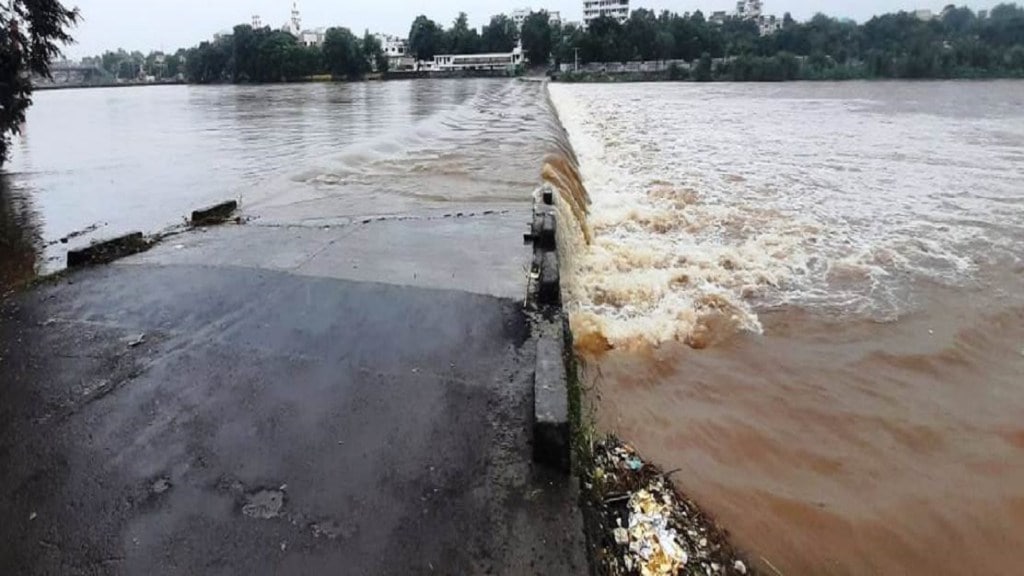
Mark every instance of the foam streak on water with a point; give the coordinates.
(711, 203)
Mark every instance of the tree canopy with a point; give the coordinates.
(426, 38)
(500, 35)
(31, 35)
(266, 55)
(959, 43)
(538, 37)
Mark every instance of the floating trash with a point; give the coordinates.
(643, 527)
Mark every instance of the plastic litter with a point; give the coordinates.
(650, 529)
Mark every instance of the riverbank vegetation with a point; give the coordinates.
(958, 43)
(265, 55)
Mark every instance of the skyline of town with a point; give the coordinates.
(99, 15)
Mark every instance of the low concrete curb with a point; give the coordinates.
(108, 250)
(215, 214)
(552, 432)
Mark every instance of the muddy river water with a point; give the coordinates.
(806, 298)
(92, 164)
(809, 300)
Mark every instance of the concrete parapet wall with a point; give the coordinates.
(552, 425)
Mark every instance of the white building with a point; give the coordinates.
(509, 61)
(749, 9)
(397, 51)
(768, 25)
(519, 16)
(311, 38)
(752, 10)
(257, 22)
(294, 25)
(924, 15)
(593, 9)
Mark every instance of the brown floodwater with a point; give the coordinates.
(809, 301)
(845, 447)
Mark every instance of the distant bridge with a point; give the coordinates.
(66, 74)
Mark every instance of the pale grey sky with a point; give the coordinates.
(169, 24)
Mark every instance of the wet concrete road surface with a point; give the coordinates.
(245, 400)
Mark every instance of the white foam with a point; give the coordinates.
(751, 201)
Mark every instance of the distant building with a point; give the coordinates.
(257, 22)
(294, 25)
(924, 15)
(508, 61)
(311, 38)
(519, 16)
(768, 25)
(749, 9)
(397, 51)
(593, 9)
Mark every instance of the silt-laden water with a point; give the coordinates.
(809, 299)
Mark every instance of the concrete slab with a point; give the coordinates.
(482, 254)
(271, 423)
(552, 445)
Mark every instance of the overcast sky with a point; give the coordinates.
(170, 24)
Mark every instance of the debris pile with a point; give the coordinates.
(638, 525)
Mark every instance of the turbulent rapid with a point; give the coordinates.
(710, 204)
(809, 300)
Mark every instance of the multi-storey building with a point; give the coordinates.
(593, 9)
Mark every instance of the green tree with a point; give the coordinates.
(605, 42)
(128, 69)
(460, 38)
(959, 20)
(245, 46)
(374, 52)
(31, 35)
(426, 38)
(500, 35)
(173, 65)
(569, 40)
(702, 71)
(665, 45)
(111, 61)
(343, 54)
(641, 33)
(209, 62)
(537, 36)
